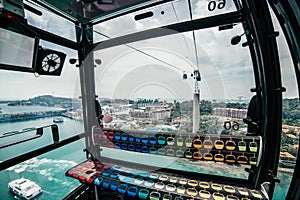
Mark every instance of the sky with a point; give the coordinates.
(154, 70)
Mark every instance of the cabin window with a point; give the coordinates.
(151, 85)
(50, 22)
(161, 15)
(290, 116)
(28, 101)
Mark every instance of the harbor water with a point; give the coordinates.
(48, 170)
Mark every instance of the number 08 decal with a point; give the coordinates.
(216, 4)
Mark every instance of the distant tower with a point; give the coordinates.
(196, 110)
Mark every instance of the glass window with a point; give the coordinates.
(161, 15)
(16, 49)
(29, 101)
(151, 86)
(290, 117)
(50, 22)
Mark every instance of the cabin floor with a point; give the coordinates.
(85, 191)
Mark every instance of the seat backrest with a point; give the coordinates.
(245, 150)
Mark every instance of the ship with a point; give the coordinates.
(58, 120)
(24, 188)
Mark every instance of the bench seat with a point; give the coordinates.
(142, 184)
(131, 181)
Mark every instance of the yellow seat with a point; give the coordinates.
(218, 196)
(243, 191)
(197, 143)
(188, 154)
(208, 156)
(188, 142)
(242, 145)
(197, 155)
(192, 192)
(179, 141)
(219, 144)
(216, 186)
(219, 157)
(242, 159)
(230, 145)
(253, 160)
(208, 144)
(253, 146)
(193, 183)
(204, 185)
(180, 189)
(231, 197)
(170, 141)
(173, 179)
(256, 194)
(230, 158)
(182, 181)
(229, 189)
(204, 194)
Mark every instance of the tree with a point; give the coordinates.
(291, 111)
(225, 132)
(205, 107)
(292, 150)
(176, 111)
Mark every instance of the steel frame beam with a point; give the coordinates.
(207, 22)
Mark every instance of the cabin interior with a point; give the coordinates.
(171, 99)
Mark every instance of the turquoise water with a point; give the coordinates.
(48, 169)
(282, 188)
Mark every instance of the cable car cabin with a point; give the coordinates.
(178, 99)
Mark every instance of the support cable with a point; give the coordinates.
(194, 37)
(184, 38)
(142, 52)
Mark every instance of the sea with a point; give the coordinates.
(48, 170)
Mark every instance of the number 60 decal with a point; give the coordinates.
(212, 5)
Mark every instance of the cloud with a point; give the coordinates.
(128, 71)
(226, 70)
(221, 65)
(51, 23)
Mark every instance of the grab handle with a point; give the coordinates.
(39, 133)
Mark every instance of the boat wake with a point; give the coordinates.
(45, 167)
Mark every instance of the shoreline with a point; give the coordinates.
(287, 170)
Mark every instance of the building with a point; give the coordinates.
(233, 113)
(291, 136)
(286, 156)
(151, 112)
(287, 128)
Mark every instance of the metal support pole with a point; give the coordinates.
(87, 81)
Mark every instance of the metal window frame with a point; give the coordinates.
(266, 58)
